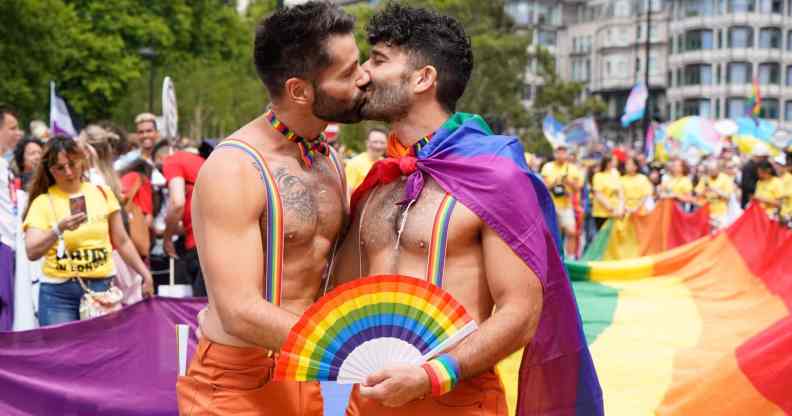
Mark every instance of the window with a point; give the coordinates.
(770, 6)
(717, 108)
(521, 12)
(741, 37)
(691, 8)
(717, 74)
(622, 8)
(698, 39)
(735, 107)
(698, 74)
(739, 73)
(770, 38)
(741, 6)
(769, 73)
(696, 107)
(527, 92)
(769, 108)
(546, 38)
(789, 40)
(788, 111)
(788, 81)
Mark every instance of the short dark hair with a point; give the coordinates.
(19, 150)
(159, 146)
(290, 42)
(6, 109)
(430, 39)
(767, 166)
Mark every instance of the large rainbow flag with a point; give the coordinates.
(703, 329)
(665, 227)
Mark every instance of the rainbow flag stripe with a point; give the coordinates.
(703, 329)
(437, 249)
(665, 227)
(327, 333)
(274, 232)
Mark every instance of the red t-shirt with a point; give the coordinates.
(144, 198)
(184, 165)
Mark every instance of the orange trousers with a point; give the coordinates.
(224, 380)
(478, 396)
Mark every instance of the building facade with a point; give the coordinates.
(720, 47)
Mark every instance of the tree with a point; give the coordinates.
(560, 98)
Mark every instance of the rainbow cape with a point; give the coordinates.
(703, 329)
(754, 106)
(665, 227)
(488, 174)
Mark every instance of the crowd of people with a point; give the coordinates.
(104, 209)
(593, 184)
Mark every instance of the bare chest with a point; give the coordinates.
(387, 226)
(312, 201)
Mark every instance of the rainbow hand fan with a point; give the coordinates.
(370, 324)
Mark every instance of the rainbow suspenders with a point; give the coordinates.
(274, 233)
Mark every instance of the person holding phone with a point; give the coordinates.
(74, 225)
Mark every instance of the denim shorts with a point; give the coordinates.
(60, 302)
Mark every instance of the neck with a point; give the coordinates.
(372, 155)
(70, 188)
(304, 125)
(420, 122)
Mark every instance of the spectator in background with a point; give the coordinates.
(636, 186)
(716, 189)
(608, 201)
(181, 171)
(357, 168)
(10, 134)
(750, 174)
(99, 145)
(769, 189)
(678, 185)
(39, 130)
(75, 246)
(786, 197)
(27, 156)
(147, 134)
(564, 180)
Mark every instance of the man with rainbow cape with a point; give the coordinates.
(457, 205)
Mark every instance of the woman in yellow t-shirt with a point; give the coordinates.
(678, 186)
(786, 183)
(637, 188)
(769, 189)
(74, 225)
(608, 192)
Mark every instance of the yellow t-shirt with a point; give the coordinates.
(88, 248)
(636, 188)
(786, 207)
(769, 189)
(608, 184)
(723, 184)
(553, 174)
(677, 187)
(357, 168)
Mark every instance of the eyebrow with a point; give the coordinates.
(379, 53)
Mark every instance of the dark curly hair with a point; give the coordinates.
(429, 39)
(19, 151)
(291, 42)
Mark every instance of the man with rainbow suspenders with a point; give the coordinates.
(457, 205)
(271, 201)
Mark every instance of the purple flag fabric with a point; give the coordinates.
(120, 364)
(488, 174)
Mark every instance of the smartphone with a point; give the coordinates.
(77, 205)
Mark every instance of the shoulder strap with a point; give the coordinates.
(437, 248)
(274, 230)
(102, 191)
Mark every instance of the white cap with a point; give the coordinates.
(760, 150)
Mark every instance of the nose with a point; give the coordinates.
(363, 77)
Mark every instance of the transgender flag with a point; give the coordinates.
(636, 104)
(60, 121)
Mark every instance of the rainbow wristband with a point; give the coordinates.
(443, 372)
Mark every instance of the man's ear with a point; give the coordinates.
(425, 78)
(298, 91)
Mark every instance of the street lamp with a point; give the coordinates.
(149, 54)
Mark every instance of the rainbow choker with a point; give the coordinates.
(308, 148)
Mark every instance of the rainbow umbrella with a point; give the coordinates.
(753, 131)
(696, 132)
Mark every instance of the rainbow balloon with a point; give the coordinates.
(369, 324)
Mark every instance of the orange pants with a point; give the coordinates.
(225, 380)
(479, 396)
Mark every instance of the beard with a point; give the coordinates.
(387, 102)
(329, 108)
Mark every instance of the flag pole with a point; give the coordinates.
(648, 107)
